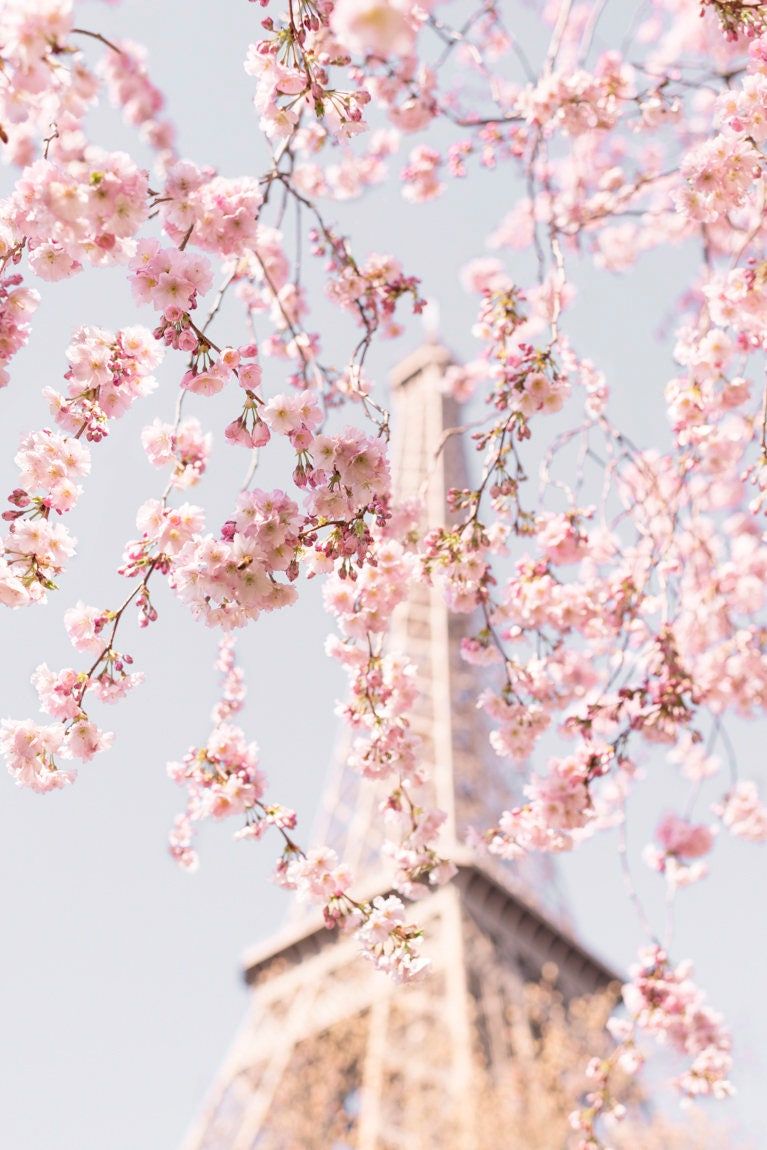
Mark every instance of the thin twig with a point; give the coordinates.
(97, 36)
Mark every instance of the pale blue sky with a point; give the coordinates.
(119, 974)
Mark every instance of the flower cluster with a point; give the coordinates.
(383, 689)
(663, 1001)
(16, 305)
(576, 102)
(107, 373)
(35, 547)
(34, 751)
(739, 17)
(560, 804)
(222, 779)
(186, 446)
(29, 749)
(131, 88)
(679, 844)
(744, 814)
(421, 176)
(372, 289)
(39, 89)
(292, 69)
(375, 27)
(78, 211)
(171, 281)
(381, 928)
(719, 175)
(217, 214)
(231, 580)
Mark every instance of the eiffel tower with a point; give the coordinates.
(332, 1055)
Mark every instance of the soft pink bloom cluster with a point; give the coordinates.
(289, 83)
(109, 677)
(681, 845)
(406, 90)
(663, 1001)
(575, 102)
(16, 305)
(220, 215)
(29, 749)
(185, 446)
(561, 538)
(381, 928)
(559, 804)
(723, 172)
(382, 693)
(354, 471)
(232, 694)
(518, 726)
(231, 580)
(32, 750)
(35, 547)
(42, 86)
(744, 814)
(525, 382)
(164, 532)
(371, 290)
(739, 18)
(349, 179)
(207, 376)
(107, 373)
(131, 88)
(248, 429)
(365, 606)
(222, 778)
(719, 174)
(377, 27)
(77, 211)
(169, 279)
(679, 837)
(387, 939)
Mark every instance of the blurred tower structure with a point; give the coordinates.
(332, 1055)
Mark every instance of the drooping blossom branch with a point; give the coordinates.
(222, 779)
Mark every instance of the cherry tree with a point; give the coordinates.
(620, 600)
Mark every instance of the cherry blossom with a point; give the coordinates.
(611, 592)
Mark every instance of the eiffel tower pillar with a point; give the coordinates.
(332, 1055)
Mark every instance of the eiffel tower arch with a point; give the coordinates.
(332, 1055)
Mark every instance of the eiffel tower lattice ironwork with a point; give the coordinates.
(332, 1055)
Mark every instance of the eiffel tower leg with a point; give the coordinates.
(371, 1114)
(418, 1089)
(458, 1006)
(284, 1040)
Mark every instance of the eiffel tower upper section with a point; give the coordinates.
(468, 778)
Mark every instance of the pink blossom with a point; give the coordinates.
(185, 446)
(84, 740)
(84, 627)
(665, 1002)
(375, 26)
(743, 813)
(29, 749)
(679, 837)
